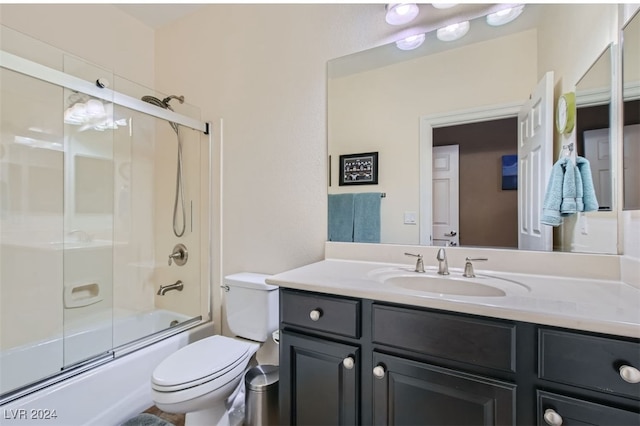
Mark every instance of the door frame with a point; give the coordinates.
(452, 118)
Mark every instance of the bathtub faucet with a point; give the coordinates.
(175, 286)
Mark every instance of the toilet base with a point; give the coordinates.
(216, 415)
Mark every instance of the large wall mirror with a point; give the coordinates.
(379, 98)
(631, 99)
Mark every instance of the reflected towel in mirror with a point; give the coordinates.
(341, 217)
(366, 217)
(589, 199)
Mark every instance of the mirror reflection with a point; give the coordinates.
(593, 102)
(467, 94)
(631, 98)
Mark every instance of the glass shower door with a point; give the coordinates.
(31, 225)
(87, 291)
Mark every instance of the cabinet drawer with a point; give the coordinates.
(587, 361)
(334, 315)
(471, 340)
(572, 411)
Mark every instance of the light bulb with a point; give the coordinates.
(411, 42)
(401, 13)
(453, 32)
(504, 16)
(444, 5)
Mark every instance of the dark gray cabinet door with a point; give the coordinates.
(413, 393)
(318, 387)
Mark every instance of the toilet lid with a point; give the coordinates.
(199, 360)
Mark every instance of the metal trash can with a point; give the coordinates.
(261, 396)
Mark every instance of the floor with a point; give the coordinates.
(176, 419)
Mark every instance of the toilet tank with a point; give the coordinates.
(251, 306)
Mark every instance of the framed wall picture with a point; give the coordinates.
(509, 172)
(359, 169)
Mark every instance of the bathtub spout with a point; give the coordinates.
(175, 286)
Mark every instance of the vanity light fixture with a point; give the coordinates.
(411, 42)
(401, 13)
(453, 32)
(504, 16)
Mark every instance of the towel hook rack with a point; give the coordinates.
(568, 147)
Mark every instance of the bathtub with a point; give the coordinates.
(105, 395)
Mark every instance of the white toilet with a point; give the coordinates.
(199, 378)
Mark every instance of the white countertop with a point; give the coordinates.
(603, 306)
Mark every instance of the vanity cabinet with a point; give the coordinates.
(320, 360)
(348, 361)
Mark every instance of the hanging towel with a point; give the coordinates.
(590, 202)
(366, 217)
(569, 190)
(341, 217)
(553, 196)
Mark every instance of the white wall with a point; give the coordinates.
(98, 33)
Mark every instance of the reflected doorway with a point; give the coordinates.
(488, 215)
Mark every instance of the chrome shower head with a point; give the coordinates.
(168, 98)
(164, 103)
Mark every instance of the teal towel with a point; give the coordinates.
(553, 196)
(590, 201)
(579, 190)
(569, 190)
(341, 217)
(366, 217)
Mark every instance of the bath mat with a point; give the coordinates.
(146, 419)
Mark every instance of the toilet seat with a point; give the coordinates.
(199, 363)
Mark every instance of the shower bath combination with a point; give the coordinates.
(178, 231)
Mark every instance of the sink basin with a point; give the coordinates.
(445, 286)
(454, 284)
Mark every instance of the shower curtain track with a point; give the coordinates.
(42, 72)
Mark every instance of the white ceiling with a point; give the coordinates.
(159, 14)
(155, 15)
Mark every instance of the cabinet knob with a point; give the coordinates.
(552, 418)
(348, 362)
(630, 374)
(315, 314)
(379, 372)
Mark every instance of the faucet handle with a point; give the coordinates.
(179, 255)
(419, 262)
(468, 266)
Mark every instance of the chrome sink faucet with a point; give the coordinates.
(419, 262)
(443, 265)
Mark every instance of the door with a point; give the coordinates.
(445, 183)
(535, 159)
(320, 386)
(596, 150)
(407, 392)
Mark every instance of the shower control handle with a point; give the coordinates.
(179, 255)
